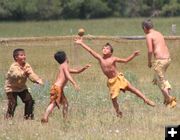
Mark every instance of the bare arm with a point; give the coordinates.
(150, 50)
(74, 71)
(91, 51)
(129, 58)
(69, 77)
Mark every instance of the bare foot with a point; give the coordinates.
(43, 120)
(119, 114)
(149, 102)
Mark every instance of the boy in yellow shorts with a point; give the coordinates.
(116, 80)
(57, 96)
(156, 46)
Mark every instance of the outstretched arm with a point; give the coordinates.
(79, 41)
(129, 58)
(69, 77)
(76, 71)
(31, 75)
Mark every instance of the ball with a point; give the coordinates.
(81, 32)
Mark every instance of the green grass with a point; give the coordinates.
(111, 26)
(91, 115)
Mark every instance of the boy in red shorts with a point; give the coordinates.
(57, 96)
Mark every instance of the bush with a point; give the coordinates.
(85, 9)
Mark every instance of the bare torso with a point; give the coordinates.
(108, 67)
(160, 49)
(61, 79)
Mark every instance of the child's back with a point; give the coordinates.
(61, 79)
(159, 46)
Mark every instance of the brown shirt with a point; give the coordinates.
(16, 79)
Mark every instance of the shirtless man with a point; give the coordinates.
(116, 80)
(157, 47)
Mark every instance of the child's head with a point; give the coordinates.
(107, 49)
(147, 24)
(60, 56)
(19, 55)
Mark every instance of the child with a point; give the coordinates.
(57, 96)
(156, 46)
(116, 80)
(15, 84)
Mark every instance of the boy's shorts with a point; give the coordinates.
(160, 66)
(116, 84)
(56, 94)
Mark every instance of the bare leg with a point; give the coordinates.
(116, 107)
(140, 94)
(169, 101)
(64, 103)
(48, 112)
(166, 94)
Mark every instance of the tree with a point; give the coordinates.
(48, 9)
(71, 8)
(172, 8)
(96, 9)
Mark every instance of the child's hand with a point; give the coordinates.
(77, 88)
(40, 82)
(87, 66)
(136, 53)
(78, 40)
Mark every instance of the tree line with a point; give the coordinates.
(86, 9)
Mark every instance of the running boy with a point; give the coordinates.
(156, 46)
(116, 80)
(15, 84)
(57, 96)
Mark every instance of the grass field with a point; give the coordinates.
(91, 115)
(115, 27)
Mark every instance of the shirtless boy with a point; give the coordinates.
(157, 47)
(116, 80)
(57, 96)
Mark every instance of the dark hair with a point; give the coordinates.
(16, 52)
(147, 24)
(60, 56)
(109, 45)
